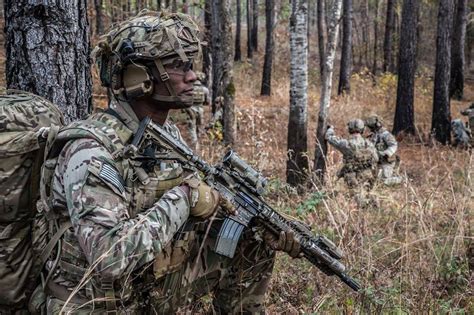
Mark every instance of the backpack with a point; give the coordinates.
(28, 123)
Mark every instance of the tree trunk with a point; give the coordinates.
(404, 112)
(99, 25)
(255, 25)
(441, 118)
(388, 40)
(47, 52)
(365, 31)
(321, 28)
(249, 29)
(238, 53)
(222, 63)
(184, 7)
(297, 162)
(207, 52)
(457, 51)
(376, 36)
(167, 4)
(268, 60)
(174, 6)
(325, 101)
(346, 54)
(158, 5)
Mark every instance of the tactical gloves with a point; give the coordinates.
(204, 199)
(286, 242)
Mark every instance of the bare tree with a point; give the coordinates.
(238, 53)
(222, 63)
(457, 51)
(388, 39)
(255, 25)
(268, 60)
(441, 118)
(346, 55)
(99, 25)
(47, 50)
(376, 36)
(325, 101)
(321, 28)
(249, 29)
(297, 162)
(207, 52)
(404, 112)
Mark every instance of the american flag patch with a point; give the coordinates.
(111, 175)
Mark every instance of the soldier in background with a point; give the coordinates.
(461, 134)
(359, 157)
(469, 112)
(386, 146)
(193, 116)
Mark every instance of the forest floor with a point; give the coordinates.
(410, 251)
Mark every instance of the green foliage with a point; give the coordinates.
(310, 204)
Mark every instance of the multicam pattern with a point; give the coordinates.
(118, 235)
(360, 159)
(22, 115)
(386, 146)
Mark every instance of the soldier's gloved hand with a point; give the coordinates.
(204, 199)
(286, 242)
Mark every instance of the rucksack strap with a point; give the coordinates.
(47, 250)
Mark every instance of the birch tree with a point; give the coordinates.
(325, 101)
(297, 162)
(47, 52)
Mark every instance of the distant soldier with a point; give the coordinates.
(461, 134)
(359, 155)
(469, 112)
(386, 146)
(192, 116)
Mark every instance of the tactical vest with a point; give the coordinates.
(144, 184)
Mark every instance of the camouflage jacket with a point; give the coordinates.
(123, 211)
(358, 153)
(385, 143)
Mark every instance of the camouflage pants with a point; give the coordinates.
(235, 285)
(387, 174)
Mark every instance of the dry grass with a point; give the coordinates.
(409, 251)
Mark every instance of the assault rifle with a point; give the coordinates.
(243, 186)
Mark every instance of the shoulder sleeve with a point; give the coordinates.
(338, 142)
(98, 207)
(390, 142)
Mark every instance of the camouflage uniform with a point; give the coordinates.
(359, 157)
(132, 242)
(386, 146)
(461, 134)
(192, 117)
(469, 112)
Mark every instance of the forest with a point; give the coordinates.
(279, 73)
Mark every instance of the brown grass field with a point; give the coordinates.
(409, 251)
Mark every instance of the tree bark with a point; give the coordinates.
(223, 64)
(441, 118)
(457, 51)
(404, 112)
(325, 101)
(268, 60)
(238, 52)
(321, 28)
(207, 52)
(174, 6)
(346, 54)
(99, 25)
(255, 25)
(376, 36)
(388, 40)
(249, 29)
(47, 52)
(297, 162)
(365, 31)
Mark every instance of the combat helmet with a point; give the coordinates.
(374, 122)
(133, 54)
(355, 126)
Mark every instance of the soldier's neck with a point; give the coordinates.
(148, 109)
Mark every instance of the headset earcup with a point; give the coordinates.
(136, 81)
